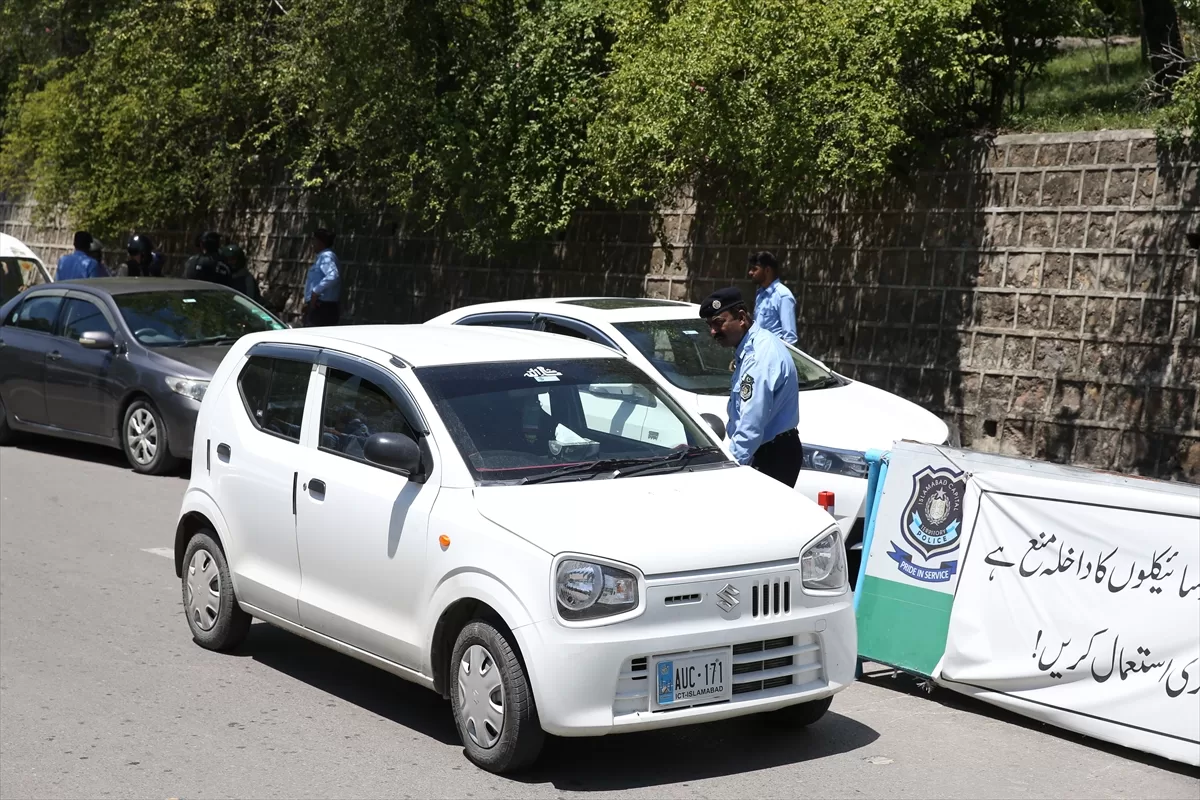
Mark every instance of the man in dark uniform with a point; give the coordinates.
(207, 265)
(764, 399)
(143, 262)
(240, 276)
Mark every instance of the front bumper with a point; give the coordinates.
(179, 414)
(788, 648)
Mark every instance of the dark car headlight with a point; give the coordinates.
(838, 462)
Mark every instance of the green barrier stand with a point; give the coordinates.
(877, 461)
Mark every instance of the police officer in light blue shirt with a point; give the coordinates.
(764, 399)
(79, 264)
(323, 286)
(774, 305)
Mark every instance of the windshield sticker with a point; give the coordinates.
(543, 375)
(189, 299)
(690, 333)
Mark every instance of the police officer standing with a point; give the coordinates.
(323, 285)
(774, 304)
(80, 263)
(240, 276)
(207, 264)
(764, 401)
(143, 262)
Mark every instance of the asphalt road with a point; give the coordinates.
(103, 694)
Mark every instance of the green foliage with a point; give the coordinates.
(494, 119)
(1181, 120)
(1082, 91)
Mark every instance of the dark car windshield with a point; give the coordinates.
(188, 317)
(518, 421)
(687, 356)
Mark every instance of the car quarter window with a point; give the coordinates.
(39, 313)
(353, 410)
(273, 391)
(83, 316)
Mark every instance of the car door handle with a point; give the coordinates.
(223, 452)
(316, 487)
(54, 355)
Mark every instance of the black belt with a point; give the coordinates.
(786, 435)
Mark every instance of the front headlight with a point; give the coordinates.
(823, 563)
(188, 387)
(586, 590)
(837, 462)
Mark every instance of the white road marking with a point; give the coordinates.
(165, 552)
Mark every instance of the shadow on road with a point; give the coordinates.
(886, 678)
(84, 451)
(679, 755)
(653, 758)
(367, 687)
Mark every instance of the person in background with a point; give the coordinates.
(96, 251)
(323, 286)
(80, 264)
(764, 398)
(774, 305)
(207, 265)
(143, 262)
(240, 276)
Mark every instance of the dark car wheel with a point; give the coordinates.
(144, 439)
(214, 617)
(7, 434)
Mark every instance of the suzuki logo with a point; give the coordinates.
(727, 598)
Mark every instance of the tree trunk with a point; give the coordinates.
(1162, 41)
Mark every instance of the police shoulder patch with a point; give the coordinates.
(746, 390)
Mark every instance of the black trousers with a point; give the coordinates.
(321, 315)
(780, 458)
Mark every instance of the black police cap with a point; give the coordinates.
(721, 300)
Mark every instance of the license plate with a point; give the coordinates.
(694, 678)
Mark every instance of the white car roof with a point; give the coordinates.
(585, 309)
(426, 346)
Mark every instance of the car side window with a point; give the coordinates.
(83, 316)
(39, 313)
(562, 330)
(519, 324)
(273, 391)
(353, 410)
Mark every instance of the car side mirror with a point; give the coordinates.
(393, 451)
(97, 340)
(715, 423)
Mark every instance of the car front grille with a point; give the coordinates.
(764, 668)
(771, 597)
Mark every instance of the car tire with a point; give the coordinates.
(800, 715)
(144, 439)
(492, 701)
(216, 620)
(7, 434)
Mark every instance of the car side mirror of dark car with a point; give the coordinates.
(715, 423)
(393, 451)
(97, 340)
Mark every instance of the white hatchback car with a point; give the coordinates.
(444, 505)
(840, 419)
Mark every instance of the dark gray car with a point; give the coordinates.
(118, 361)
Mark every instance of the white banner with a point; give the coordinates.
(1078, 603)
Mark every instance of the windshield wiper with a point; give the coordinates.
(590, 468)
(223, 339)
(674, 461)
(827, 382)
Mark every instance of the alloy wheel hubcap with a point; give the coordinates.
(203, 590)
(481, 696)
(142, 436)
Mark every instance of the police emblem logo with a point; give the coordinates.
(932, 518)
(716, 304)
(746, 390)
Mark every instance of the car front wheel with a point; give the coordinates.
(216, 620)
(144, 439)
(493, 701)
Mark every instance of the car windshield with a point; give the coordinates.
(519, 422)
(687, 356)
(179, 318)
